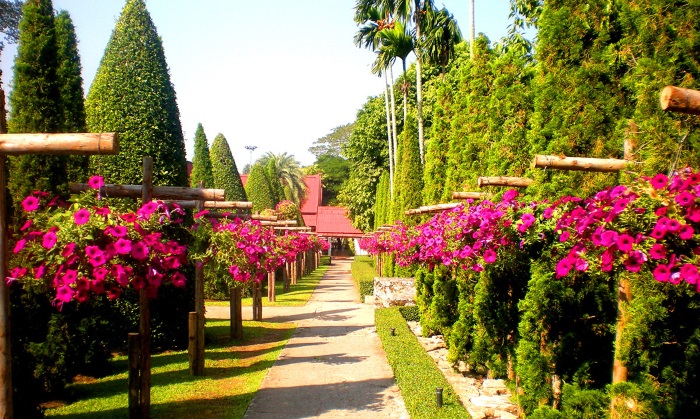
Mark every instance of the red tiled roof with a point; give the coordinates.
(314, 192)
(334, 222)
(244, 179)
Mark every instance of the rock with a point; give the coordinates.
(390, 292)
(491, 387)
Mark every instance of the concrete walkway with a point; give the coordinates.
(334, 364)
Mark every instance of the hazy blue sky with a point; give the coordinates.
(276, 74)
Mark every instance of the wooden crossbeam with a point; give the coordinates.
(301, 229)
(583, 164)
(60, 144)
(427, 209)
(215, 204)
(468, 195)
(678, 99)
(280, 223)
(511, 181)
(159, 192)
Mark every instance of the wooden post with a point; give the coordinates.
(271, 286)
(468, 195)
(145, 308)
(286, 276)
(257, 301)
(192, 322)
(198, 359)
(514, 182)
(584, 164)
(134, 342)
(236, 313)
(678, 99)
(624, 296)
(5, 342)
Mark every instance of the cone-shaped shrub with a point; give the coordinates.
(258, 189)
(224, 169)
(201, 163)
(132, 95)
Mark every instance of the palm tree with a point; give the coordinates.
(440, 37)
(396, 42)
(289, 174)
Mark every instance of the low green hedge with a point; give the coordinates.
(410, 313)
(415, 371)
(363, 273)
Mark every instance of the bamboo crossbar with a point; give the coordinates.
(468, 195)
(293, 229)
(106, 143)
(215, 204)
(584, 164)
(279, 223)
(427, 209)
(678, 99)
(159, 192)
(514, 182)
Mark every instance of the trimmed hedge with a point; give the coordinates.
(414, 370)
(363, 273)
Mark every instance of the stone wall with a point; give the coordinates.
(394, 292)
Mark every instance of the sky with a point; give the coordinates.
(273, 74)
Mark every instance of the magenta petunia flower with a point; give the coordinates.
(689, 273)
(657, 251)
(129, 218)
(686, 232)
(625, 242)
(489, 256)
(100, 273)
(123, 246)
(30, 203)
(68, 250)
(635, 261)
(82, 216)
(138, 282)
(658, 233)
(608, 238)
(662, 273)
(96, 182)
(97, 286)
(117, 231)
(693, 214)
(114, 293)
(64, 294)
(659, 181)
(201, 214)
(178, 279)
(93, 251)
(685, 199)
(19, 246)
(49, 240)
(673, 226)
(147, 209)
(70, 276)
(98, 260)
(563, 267)
(39, 271)
(102, 211)
(139, 251)
(27, 225)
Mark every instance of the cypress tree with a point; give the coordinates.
(201, 163)
(258, 189)
(274, 179)
(132, 95)
(379, 203)
(410, 172)
(224, 170)
(35, 101)
(70, 84)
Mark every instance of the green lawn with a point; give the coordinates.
(297, 296)
(233, 373)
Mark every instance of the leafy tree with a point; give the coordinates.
(367, 156)
(71, 90)
(224, 171)
(258, 189)
(332, 143)
(285, 172)
(132, 94)
(335, 171)
(35, 101)
(10, 15)
(201, 163)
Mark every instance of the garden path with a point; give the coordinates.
(334, 365)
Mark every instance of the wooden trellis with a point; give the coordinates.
(511, 181)
(469, 195)
(140, 378)
(19, 144)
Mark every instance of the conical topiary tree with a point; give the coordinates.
(201, 163)
(274, 178)
(258, 189)
(132, 95)
(35, 101)
(70, 84)
(224, 170)
(410, 172)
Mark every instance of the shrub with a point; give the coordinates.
(364, 274)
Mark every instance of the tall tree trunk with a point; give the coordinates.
(404, 90)
(388, 135)
(419, 96)
(393, 115)
(471, 30)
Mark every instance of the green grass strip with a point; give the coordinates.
(233, 373)
(415, 371)
(363, 273)
(297, 296)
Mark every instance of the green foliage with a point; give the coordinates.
(409, 185)
(35, 102)
(224, 170)
(10, 15)
(332, 143)
(335, 170)
(415, 371)
(410, 313)
(367, 155)
(258, 189)
(363, 273)
(436, 297)
(274, 180)
(132, 95)
(380, 217)
(201, 163)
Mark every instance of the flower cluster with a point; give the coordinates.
(89, 248)
(650, 226)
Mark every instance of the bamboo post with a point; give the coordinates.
(257, 301)
(236, 316)
(145, 308)
(514, 182)
(271, 286)
(286, 276)
(134, 342)
(678, 99)
(197, 356)
(18, 144)
(192, 323)
(583, 164)
(468, 195)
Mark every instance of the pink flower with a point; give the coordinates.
(92, 251)
(102, 211)
(138, 282)
(26, 225)
(30, 203)
(82, 216)
(139, 251)
(489, 256)
(114, 293)
(201, 213)
(564, 236)
(123, 246)
(685, 199)
(70, 276)
(635, 261)
(625, 242)
(96, 182)
(659, 181)
(689, 272)
(178, 279)
(68, 250)
(606, 260)
(19, 246)
(147, 209)
(49, 240)
(100, 273)
(116, 231)
(662, 273)
(657, 251)
(608, 238)
(661, 211)
(64, 294)
(129, 218)
(97, 286)
(693, 214)
(563, 267)
(39, 271)
(98, 260)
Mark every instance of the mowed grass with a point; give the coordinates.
(234, 370)
(297, 296)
